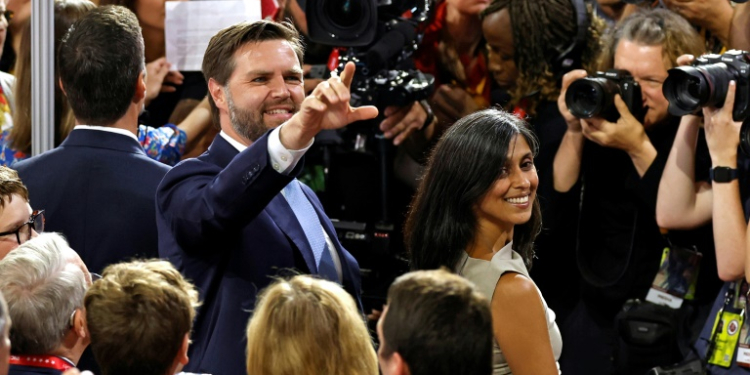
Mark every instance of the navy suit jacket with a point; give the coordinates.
(225, 225)
(98, 190)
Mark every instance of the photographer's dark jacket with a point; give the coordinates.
(619, 243)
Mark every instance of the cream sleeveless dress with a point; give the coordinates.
(485, 275)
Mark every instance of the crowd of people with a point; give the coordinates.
(180, 239)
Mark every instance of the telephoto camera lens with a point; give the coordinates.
(590, 97)
(689, 88)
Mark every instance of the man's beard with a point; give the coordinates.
(248, 123)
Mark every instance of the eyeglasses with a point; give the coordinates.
(8, 14)
(23, 233)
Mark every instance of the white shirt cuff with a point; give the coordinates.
(283, 160)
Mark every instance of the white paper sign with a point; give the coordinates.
(189, 26)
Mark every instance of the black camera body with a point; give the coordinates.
(387, 87)
(594, 96)
(705, 84)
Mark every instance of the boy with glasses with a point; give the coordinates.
(18, 222)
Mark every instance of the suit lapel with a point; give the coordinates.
(284, 218)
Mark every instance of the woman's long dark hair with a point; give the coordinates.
(464, 165)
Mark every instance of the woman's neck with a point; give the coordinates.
(154, 43)
(488, 240)
(463, 31)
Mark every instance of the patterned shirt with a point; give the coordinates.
(165, 144)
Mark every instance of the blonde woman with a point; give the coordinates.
(308, 326)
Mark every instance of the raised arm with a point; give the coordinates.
(683, 203)
(567, 164)
(723, 137)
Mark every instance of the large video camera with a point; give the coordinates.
(595, 96)
(380, 41)
(705, 84)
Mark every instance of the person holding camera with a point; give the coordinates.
(619, 164)
(706, 181)
(452, 50)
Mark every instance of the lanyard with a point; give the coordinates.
(728, 297)
(46, 361)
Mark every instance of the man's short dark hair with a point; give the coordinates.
(218, 60)
(439, 324)
(99, 61)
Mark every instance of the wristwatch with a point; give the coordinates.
(722, 174)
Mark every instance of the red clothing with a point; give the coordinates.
(475, 66)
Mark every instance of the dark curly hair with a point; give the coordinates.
(542, 30)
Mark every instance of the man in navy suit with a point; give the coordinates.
(235, 217)
(98, 186)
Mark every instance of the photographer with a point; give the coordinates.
(688, 199)
(619, 164)
(452, 50)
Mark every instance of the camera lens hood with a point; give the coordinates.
(687, 90)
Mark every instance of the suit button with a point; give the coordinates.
(256, 168)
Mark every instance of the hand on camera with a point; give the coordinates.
(401, 122)
(722, 132)
(626, 134)
(574, 123)
(327, 108)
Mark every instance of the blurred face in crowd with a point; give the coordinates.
(510, 200)
(265, 89)
(646, 64)
(13, 216)
(151, 13)
(468, 7)
(21, 12)
(499, 36)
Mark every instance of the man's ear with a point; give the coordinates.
(79, 323)
(140, 88)
(182, 355)
(217, 94)
(59, 82)
(399, 365)
(395, 365)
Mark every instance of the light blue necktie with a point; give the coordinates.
(313, 229)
